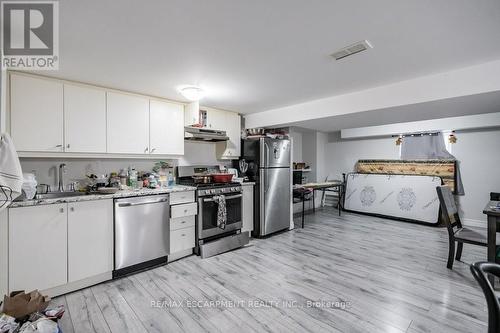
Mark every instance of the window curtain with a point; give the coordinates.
(429, 147)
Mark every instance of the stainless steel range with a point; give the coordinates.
(212, 236)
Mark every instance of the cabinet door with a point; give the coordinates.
(37, 247)
(234, 133)
(231, 149)
(36, 113)
(127, 124)
(90, 239)
(216, 119)
(247, 208)
(84, 119)
(166, 128)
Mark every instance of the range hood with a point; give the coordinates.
(204, 134)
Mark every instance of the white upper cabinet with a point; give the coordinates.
(36, 118)
(166, 128)
(217, 119)
(230, 149)
(127, 124)
(84, 119)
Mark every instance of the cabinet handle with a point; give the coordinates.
(185, 210)
(67, 146)
(146, 150)
(72, 209)
(183, 235)
(61, 210)
(58, 146)
(152, 150)
(183, 222)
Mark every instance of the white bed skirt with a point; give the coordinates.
(401, 196)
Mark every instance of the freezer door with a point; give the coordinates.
(274, 200)
(274, 153)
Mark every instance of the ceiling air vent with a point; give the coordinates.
(352, 49)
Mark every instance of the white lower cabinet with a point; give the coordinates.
(60, 247)
(182, 225)
(182, 239)
(90, 239)
(247, 207)
(37, 247)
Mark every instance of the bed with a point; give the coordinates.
(445, 169)
(405, 197)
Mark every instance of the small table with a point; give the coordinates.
(493, 217)
(337, 185)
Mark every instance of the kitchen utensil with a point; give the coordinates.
(243, 166)
(108, 190)
(222, 177)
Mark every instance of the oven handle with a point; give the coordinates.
(227, 198)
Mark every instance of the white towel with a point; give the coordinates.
(11, 174)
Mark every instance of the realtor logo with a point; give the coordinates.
(30, 35)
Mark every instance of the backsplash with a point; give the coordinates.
(46, 169)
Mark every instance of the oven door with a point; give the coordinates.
(207, 217)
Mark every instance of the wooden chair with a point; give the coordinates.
(456, 232)
(480, 270)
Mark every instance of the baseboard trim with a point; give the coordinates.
(77, 285)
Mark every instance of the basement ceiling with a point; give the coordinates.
(254, 56)
(450, 107)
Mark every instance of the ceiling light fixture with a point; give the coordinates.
(192, 93)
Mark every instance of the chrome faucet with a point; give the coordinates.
(62, 170)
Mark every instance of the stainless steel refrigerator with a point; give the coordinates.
(269, 166)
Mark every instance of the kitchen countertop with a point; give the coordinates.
(97, 196)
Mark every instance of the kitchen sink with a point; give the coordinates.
(56, 195)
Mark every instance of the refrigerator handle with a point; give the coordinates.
(266, 181)
(266, 148)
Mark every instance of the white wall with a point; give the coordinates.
(341, 155)
(297, 145)
(479, 158)
(477, 151)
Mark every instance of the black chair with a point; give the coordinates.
(456, 232)
(495, 196)
(479, 271)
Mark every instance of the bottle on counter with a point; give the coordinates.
(170, 179)
(123, 177)
(132, 177)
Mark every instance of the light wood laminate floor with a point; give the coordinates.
(378, 275)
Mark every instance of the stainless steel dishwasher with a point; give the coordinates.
(141, 233)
